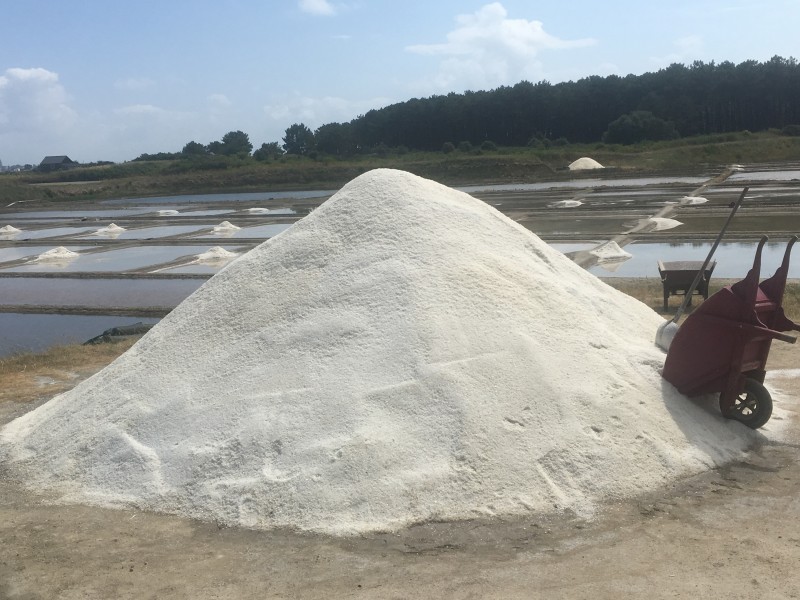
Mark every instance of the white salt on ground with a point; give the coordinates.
(585, 163)
(110, 230)
(167, 213)
(59, 253)
(404, 353)
(216, 254)
(9, 229)
(692, 200)
(610, 251)
(661, 223)
(566, 204)
(225, 226)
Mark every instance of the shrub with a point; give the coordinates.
(448, 147)
(488, 146)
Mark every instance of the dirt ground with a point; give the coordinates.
(729, 533)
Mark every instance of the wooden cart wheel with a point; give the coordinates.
(753, 406)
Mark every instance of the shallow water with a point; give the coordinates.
(259, 231)
(124, 259)
(17, 252)
(96, 293)
(150, 232)
(36, 332)
(734, 260)
(75, 214)
(37, 234)
(243, 197)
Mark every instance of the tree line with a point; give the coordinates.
(677, 101)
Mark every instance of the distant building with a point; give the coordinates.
(54, 163)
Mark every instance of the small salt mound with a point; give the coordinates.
(225, 226)
(110, 230)
(57, 254)
(217, 254)
(585, 163)
(566, 204)
(690, 200)
(258, 211)
(9, 229)
(661, 223)
(610, 251)
(167, 213)
(404, 353)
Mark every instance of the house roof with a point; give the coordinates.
(55, 160)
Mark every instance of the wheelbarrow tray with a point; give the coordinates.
(723, 346)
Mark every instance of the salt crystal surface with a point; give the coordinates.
(404, 353)
(9, 229)
(225, 226)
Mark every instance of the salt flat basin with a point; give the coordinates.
(96, 293)
(258, 232)
(154, 232)
(778, 175)
(36, 332)
(53, 232)
(18, 252)
(734, 259)
(124, 259)
(75, 214)
(238, 197)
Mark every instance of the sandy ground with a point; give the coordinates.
(729, 533)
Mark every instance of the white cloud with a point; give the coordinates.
(140, 109)
(219, 101)
(317, 7)
(134, 84)
(314, 112)
(687, 49)
(487, 49)
(33, 101)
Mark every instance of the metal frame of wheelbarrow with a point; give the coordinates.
(724, 344)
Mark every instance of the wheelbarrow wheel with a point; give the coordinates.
(753, 406)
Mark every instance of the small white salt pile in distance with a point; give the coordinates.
(566, 204)
(610, 251)
(216, 254)
(112, 230)
(258, 210)
(692, 200)
(9, 229)
(226, 227)
(584, 163)
(59, 253)
(404, 353)
(168, 212)
(661, 224)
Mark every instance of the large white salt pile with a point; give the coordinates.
(585, 163)
(404, 353)
(112, 230)
(9, 229)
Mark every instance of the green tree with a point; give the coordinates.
(193, 149)
(638, 126)
(236, 143)
(298, 139)
(267, 151)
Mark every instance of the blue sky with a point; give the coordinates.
(109, 80)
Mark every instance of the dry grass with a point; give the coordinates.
(649, 291)
(27, 376)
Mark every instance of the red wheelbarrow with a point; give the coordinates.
(724, 344)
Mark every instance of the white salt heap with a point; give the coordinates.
(258, 210)
(404, 353)
(167, 212)
(110, 230)
(661, 223)
(225, 227)
(584, 163)
(9, 229)
(216, 254)
(57, 254)
(692, 200)
(610, 251)
(566, 204)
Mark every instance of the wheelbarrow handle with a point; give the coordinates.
(778, 335)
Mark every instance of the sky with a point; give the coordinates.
(112, 79)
